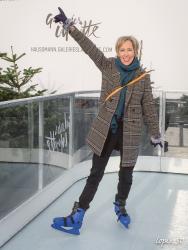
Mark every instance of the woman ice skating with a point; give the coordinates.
(126, 98)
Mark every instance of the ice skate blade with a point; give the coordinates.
(74, 231)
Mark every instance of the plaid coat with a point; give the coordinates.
(139, 104)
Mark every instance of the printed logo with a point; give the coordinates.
(88, 28)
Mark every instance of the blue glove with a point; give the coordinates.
(156, 141)
(61, 17)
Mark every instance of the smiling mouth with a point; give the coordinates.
(126, 59)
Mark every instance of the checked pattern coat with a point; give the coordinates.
(139, 105)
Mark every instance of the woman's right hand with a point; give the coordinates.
(60, 17)
(67, 22)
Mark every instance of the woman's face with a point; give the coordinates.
(126, 52)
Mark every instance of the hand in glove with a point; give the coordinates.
(156, 141)
(61, 17)
(67, 22)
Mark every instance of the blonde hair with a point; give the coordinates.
(123, 39)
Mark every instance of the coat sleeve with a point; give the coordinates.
(91, 49)
(149, 109)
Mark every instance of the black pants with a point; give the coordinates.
(98, 167)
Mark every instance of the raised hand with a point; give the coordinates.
(60, 17)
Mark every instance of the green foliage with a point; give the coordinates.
(14, 83)
(14, 126)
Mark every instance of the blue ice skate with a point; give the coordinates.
(122, 214)
(72, 223)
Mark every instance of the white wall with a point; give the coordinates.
(161, 24)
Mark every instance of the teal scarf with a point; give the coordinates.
(127, 73)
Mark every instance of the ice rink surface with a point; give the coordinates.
(157, 205)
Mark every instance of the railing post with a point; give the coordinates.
(41, 140)
(71, 131)
(162, 117)
(30, 127)
(181, 124)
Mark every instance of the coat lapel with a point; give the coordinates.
(128, 94)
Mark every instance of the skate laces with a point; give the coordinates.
(121, 208)
(75, 207)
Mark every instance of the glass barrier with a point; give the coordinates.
(18, 176)
(176, 127)
(31, 133)
(175, 155)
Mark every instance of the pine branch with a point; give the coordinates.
(13, 81)
(2, 54)
(15, 67)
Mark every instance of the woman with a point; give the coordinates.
(118, 124)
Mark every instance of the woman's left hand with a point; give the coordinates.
(156, 141)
